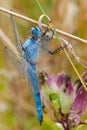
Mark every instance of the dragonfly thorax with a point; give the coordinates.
(31, 49)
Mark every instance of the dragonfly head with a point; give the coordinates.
(36, 33)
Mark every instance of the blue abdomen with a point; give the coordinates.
(39, 107)
(32, 72)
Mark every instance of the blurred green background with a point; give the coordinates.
(17, 108)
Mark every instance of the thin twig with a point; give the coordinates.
(44, 25)
(6, 41)
(75, 70)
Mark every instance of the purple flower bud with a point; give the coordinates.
(78, 108)
(64, 83)
(51, 82)
(80, 102)
(61, 80)
(69, 87)
(66, 92)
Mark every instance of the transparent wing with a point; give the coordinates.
(16, 34)
(25, 69)
(42, 52)
(19, 48)
(19, 63)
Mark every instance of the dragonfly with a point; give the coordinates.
(26, 63)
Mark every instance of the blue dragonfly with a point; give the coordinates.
(26, 63)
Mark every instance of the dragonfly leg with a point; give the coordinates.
(48, 38)
(44, 33)
(55, 51)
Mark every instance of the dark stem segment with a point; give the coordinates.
(63, 120)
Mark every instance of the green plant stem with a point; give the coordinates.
(40, 7)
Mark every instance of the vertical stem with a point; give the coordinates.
(40, 7)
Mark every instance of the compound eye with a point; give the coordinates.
(35, 28)
(31, 30)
